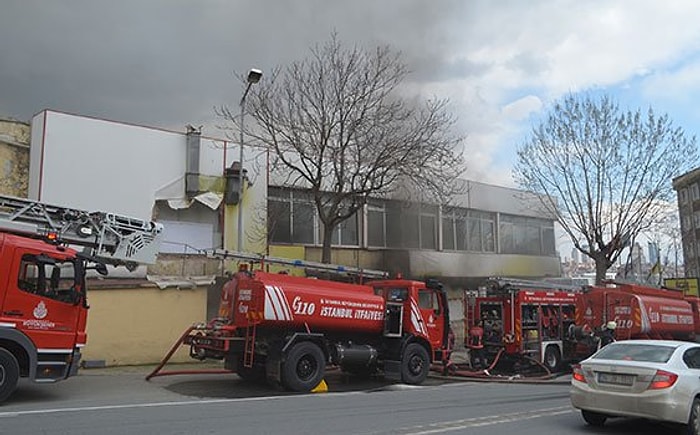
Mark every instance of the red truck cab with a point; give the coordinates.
(43, 311)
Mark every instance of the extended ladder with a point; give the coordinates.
(263, 259)
(107, 237)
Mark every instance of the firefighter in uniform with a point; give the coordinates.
(607, 335)
(475, 345)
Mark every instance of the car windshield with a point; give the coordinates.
(635, 352)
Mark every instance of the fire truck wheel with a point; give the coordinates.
(552, 358)
(9, 374)
(415, 364)
(304, 367)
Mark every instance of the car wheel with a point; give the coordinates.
(594, 418)
(694, 420)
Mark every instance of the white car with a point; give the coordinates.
(652, 379)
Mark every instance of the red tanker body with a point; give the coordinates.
(286, 301)
(286, 329)
(638, 312)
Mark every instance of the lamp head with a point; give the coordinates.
(254, 75)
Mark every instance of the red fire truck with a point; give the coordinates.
(43, 303)
(554, 324)
(525, 318)
(287, 329)
(640, 311)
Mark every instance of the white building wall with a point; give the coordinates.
(96, 164)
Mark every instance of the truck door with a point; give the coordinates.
(40, 300)
(431, 310)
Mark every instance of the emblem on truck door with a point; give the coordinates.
(40, 310)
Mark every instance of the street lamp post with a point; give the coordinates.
(254, 76)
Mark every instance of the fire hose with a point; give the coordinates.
(486, 373)
(166, 358)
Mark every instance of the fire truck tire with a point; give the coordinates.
(304, 367)
(552, 358)
(415, 364)
(9, 374)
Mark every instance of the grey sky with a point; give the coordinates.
(169, 62)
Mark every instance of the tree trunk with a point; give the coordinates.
(327, 238)
(601, 268)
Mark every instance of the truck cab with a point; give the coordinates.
(43, 311)
(417, 308)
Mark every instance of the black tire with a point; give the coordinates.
(552, 358)
(9, 374)
(415, 364)
(694, 420)
(304, 367)
(594, 418)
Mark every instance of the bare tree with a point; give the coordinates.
(337, 127)
(603, 172)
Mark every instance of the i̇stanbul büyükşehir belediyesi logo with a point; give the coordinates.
(40, 310)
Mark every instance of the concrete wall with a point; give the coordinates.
(129, 326)
(14, 157)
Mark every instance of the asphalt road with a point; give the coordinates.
(122, 402)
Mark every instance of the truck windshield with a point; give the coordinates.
(399, 294)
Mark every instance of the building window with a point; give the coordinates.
(376, 225)
(402, 225)
(696, 219)
(448, 233)
(468, 230)
(303, 219)
(683, 195)
(687, 222)
(279, 221)
(694, 192)
(291, 217)
(428, 226)
(530, 236)
(454, 229)
(346, 233)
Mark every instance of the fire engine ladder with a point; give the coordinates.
(106, 237)
(264, 259)
(250, 330)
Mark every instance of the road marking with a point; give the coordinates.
(489, 420)
(9, 414)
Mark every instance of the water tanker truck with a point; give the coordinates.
(288, 329)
